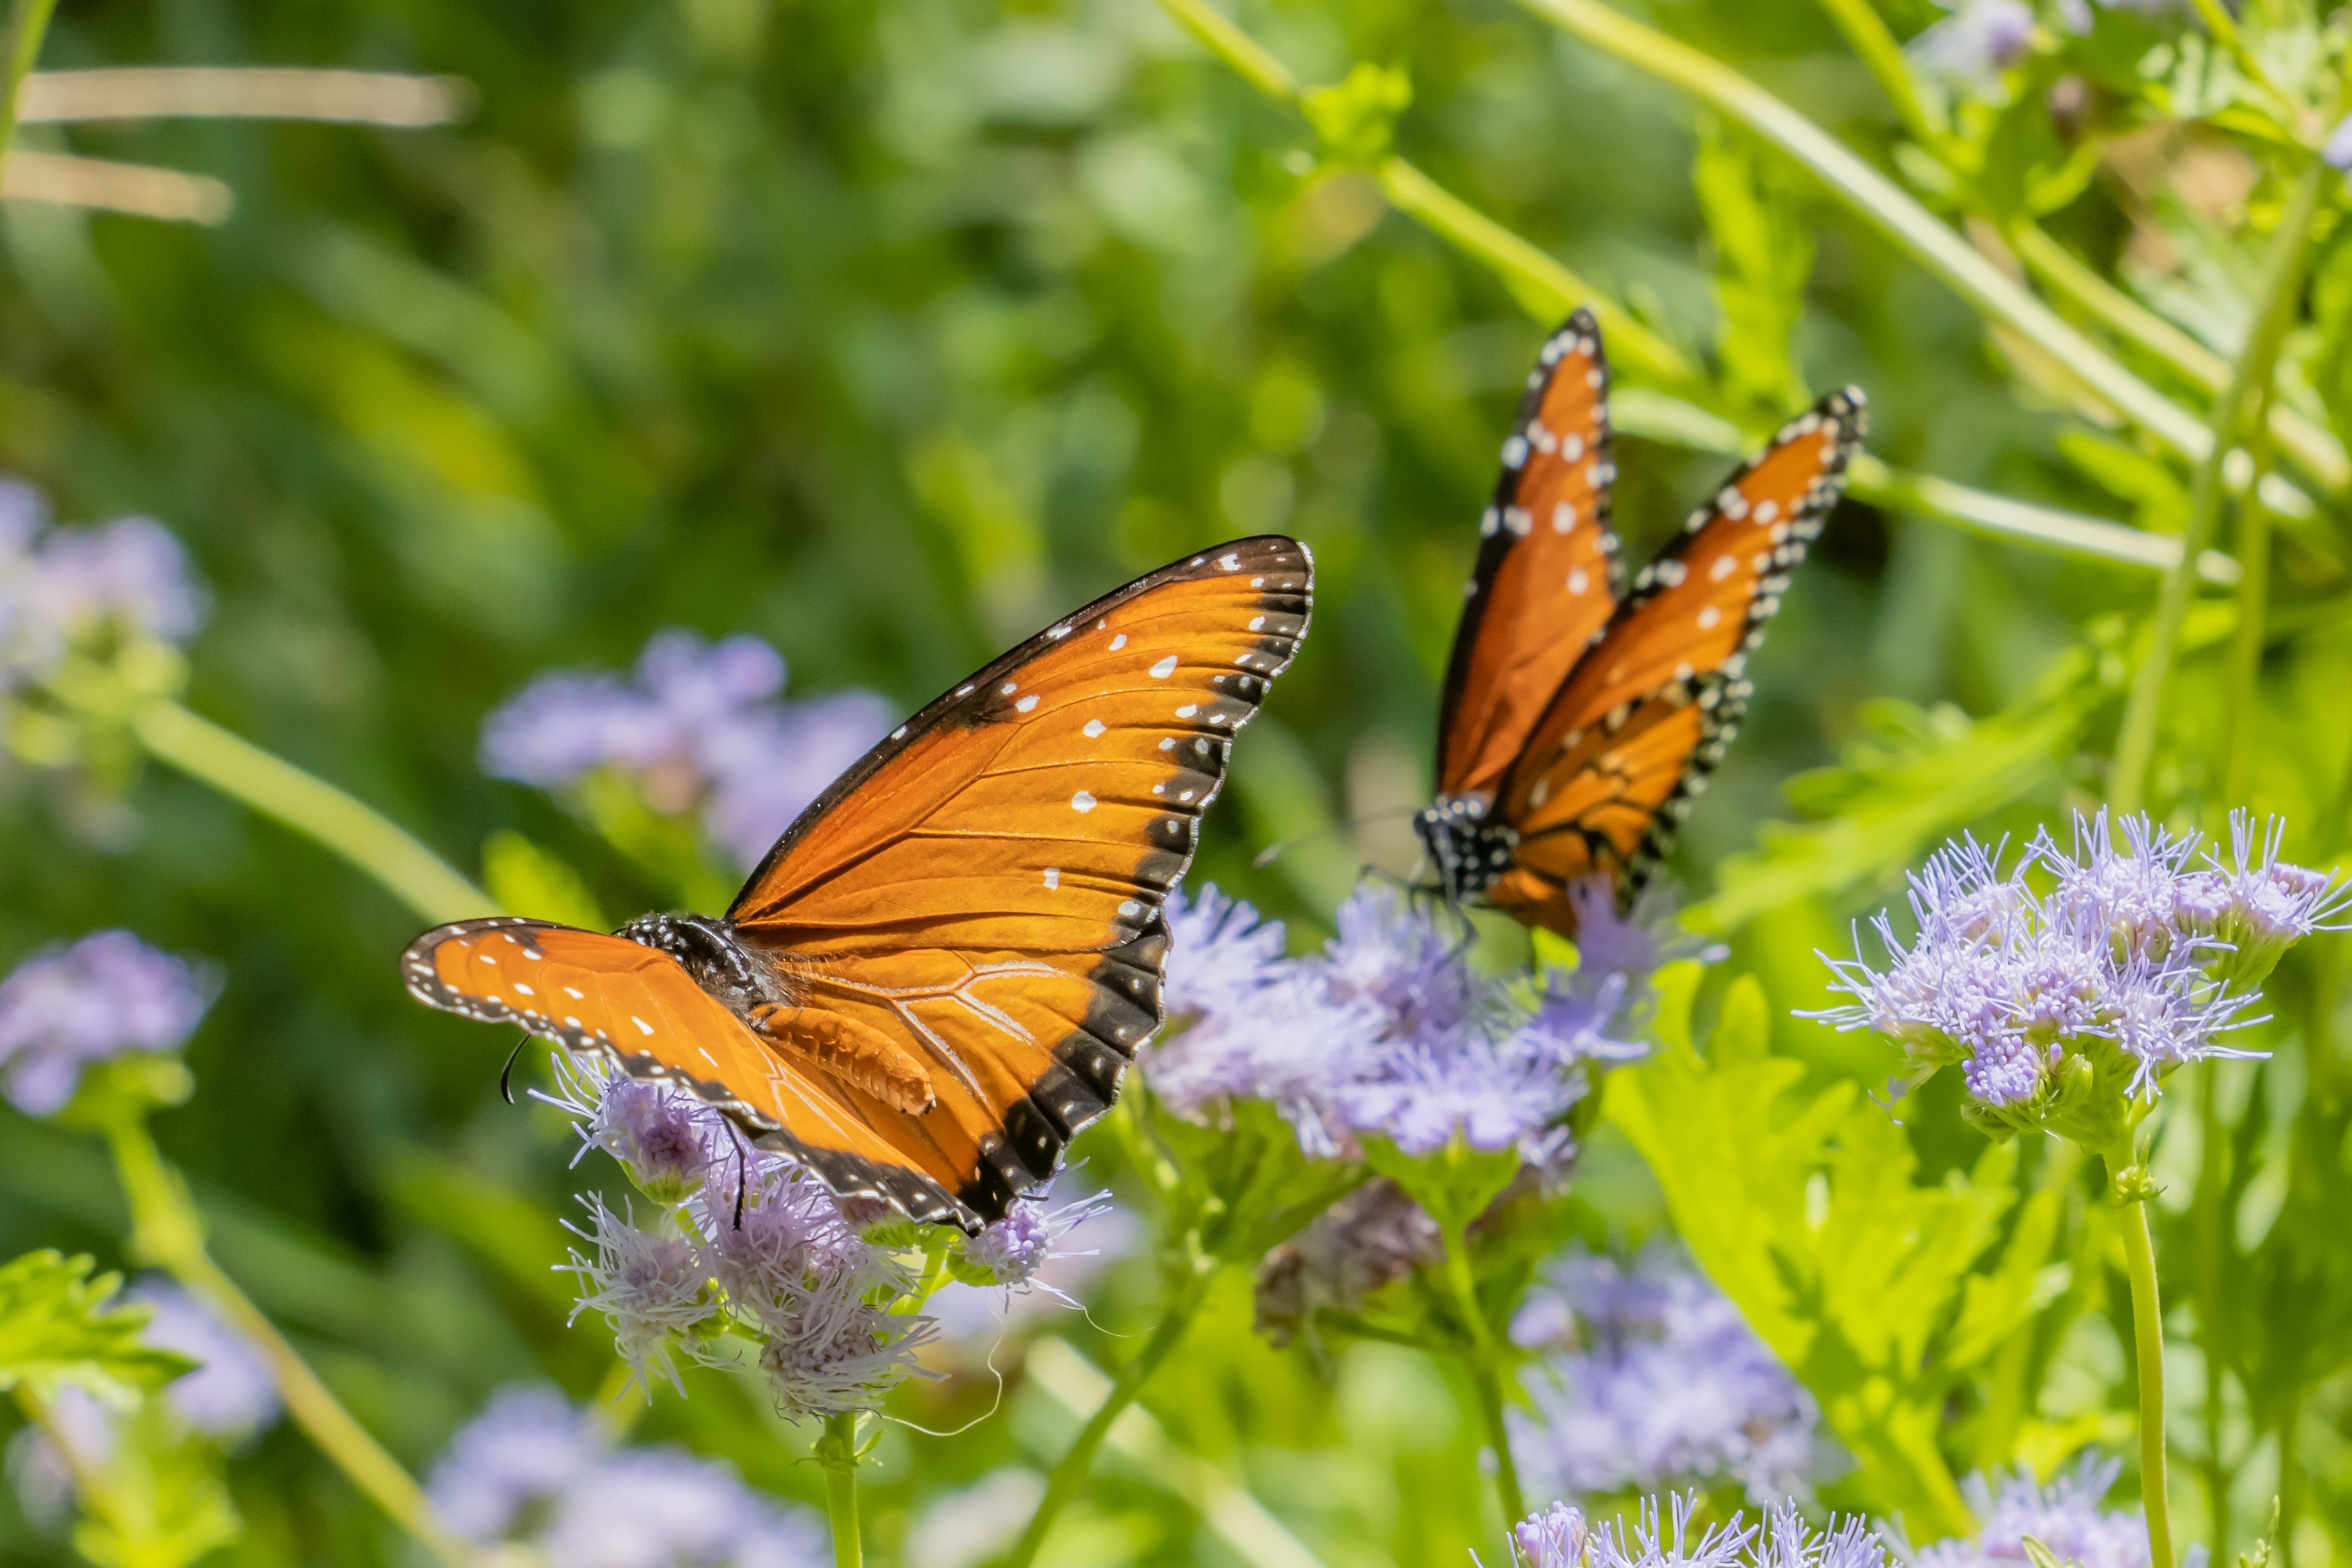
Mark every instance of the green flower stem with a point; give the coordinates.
(1543, 287)
(1485, 1373)
(2277, 297)
(836, 1450)
(1877, 199)
(2209, 1218)
(311, 807)
(1879, 49)
(28, 21)
(2312, 448)
(165, 1230)
(1070, 1472)
(2253, 544)
(2147, 1337)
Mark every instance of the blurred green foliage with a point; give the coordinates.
(886, 329)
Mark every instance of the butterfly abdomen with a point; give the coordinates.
(863, 1057)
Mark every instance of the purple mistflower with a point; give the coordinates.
(666, 1137)
(504, 1469)
(124, 581)
(977, 1307)
(1653, 1379)
(1374, 1237)
(1560, 1537)
(532, 1470)
(699, 728)
(1978, 41)
(2063, 1516)
(654, 1286)
(106, 996)
(2338, 149)
(2058, 1005)
(1011, 1251)
(230, 1395)
(1388, 1031)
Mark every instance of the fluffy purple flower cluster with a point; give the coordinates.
(63, 588)
(531, 1469)
(744, 1242)
(2056, 1005)
(697, 727)
(1561, 1537)
(1975, 44)
(1654, 1379)
(106, 996)
(1387, 1029)
(2064, 1516)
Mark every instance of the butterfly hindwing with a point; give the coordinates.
(1647, 712)
(1545, 578)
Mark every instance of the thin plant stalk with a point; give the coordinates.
(2209, 1218)
(2132, 1192)
(1070, 1472)
(311, 807)
(1991, 291)
(28, 22)
(1880, 50)
(2253, 544)
(1485, 1373)
(2277, 300)
(837, 1451)
(167, 1230)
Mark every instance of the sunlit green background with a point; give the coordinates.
(887, 331)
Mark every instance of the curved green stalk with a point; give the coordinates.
(311, 807)
(28, 22)
(2147, 1338)
(1485, 1373)
(837, 1451)
(165, 1230)
(1881, 202)
(1879, 49)
(2276, 301)
(1070, 1472)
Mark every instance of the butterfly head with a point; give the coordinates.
(710, 951)
(1469, 849)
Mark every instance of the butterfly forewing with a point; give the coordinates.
(984, 890)
(1646, 713)
(1546, 576)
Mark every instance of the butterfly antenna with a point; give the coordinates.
(506, 1073)
(1002, 1326)
(1273, 853)
(742, 1181)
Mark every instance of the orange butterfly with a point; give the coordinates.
(941, 970)
(1577, 727)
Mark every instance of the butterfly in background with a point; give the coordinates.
(939, 973)
(1579, 723)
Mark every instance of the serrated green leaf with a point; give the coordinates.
(58, 1330)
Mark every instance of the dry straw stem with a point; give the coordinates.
(138, 190)
(348, 98)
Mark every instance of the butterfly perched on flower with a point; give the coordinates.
(941, 970)
(1580, 717)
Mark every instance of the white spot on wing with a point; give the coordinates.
(1025, 704)
(643, 1027)
(1118, 642)
(1082, 802)
(1053, 878)
(1164, 668)
(1094, 728)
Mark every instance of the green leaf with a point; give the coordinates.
(1454, 1184)
(161, 1501)
(526, 880)
(1357, 117)
(58, 1330)
(1763, 258)
(1804, 1210)
(1916, 776)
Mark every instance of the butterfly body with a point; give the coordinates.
(1583, 715)
(940, 972)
